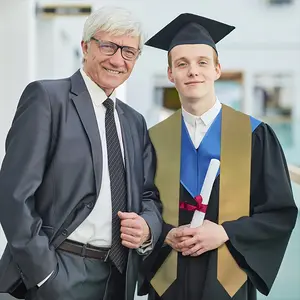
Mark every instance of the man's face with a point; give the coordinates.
(108, 71)
(194, 71)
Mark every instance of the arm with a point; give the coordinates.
(153, 261)
(20, 176)
(141, 231)
(151, 264)
(166, 237)
(258, 243)
(151, 204)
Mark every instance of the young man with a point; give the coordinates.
(78, 201)
(251, 211)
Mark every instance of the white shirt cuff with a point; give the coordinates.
(146, 247)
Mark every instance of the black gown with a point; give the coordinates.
(257, 243)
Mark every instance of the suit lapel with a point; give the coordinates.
(83, 103)
(128, 150)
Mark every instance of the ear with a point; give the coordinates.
(84, 48)
(170, 75)
(218, 72)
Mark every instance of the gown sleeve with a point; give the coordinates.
(258, 242)
(152, 263)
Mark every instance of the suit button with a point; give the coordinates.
(90, 205)
(64, 232)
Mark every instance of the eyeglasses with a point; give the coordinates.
(110, 48)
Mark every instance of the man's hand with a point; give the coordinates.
(134, 230)
(173, 241)
(204, 238)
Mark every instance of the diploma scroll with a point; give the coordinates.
(210, 177)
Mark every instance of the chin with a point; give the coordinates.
(114, 80)
(195, 93)
(195, 96)
(112, 84)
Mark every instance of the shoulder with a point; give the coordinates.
(131, 112)
(262, 133)
(50, 86)
(258, 127)
(262, 129)
(55, 86)
(265, 139)
(53, 91)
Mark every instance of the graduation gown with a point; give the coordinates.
(257, 243)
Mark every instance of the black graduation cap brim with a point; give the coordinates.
(190, 29)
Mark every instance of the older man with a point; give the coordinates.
(78, 203)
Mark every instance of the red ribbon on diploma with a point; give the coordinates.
(199, 206)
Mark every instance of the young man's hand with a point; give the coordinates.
(204, 238)
(173, 241)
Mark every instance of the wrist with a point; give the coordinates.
(147, 234)
(224, 234)
(146, 239)
(168, 239)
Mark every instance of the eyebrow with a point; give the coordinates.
(185, 59)
(108, 41)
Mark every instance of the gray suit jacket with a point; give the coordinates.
(51, 177)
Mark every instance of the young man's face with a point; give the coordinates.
(193, 70)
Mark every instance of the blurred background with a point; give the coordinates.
(260, 62)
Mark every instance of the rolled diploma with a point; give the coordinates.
(210, 177)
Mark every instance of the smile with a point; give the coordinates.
(194, 82)
(113, 71)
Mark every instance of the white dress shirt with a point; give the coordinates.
(96, 229)
(198, 125)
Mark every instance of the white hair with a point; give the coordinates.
(116, 21)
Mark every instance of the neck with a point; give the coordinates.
(200, 106)
(107, 91)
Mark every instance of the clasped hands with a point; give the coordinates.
(196, 241)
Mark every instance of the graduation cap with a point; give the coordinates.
(190, 29)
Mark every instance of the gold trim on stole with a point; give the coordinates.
(234, 197)
(234, 200)
(166, 138)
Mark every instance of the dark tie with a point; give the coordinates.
(118, 253)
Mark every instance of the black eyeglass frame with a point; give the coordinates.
(136, 52)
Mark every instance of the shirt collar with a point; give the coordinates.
(207, 118)
(97, 94)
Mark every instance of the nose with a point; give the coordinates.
(193, 70)
(117, 60)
